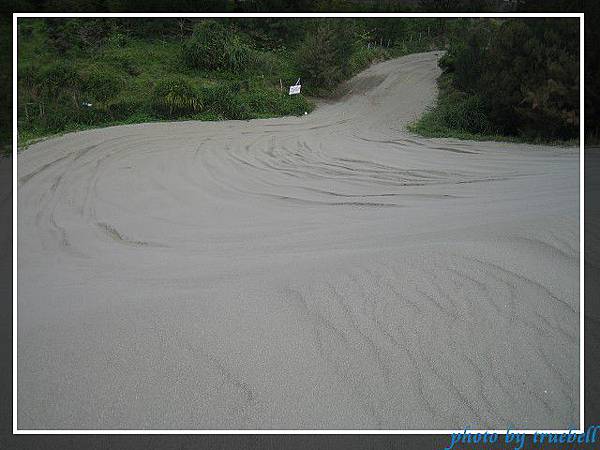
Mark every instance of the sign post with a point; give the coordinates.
(295, 89)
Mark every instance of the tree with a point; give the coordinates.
(530, 77)
(324, 55)
(526, 71)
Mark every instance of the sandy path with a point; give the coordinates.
(327, 271)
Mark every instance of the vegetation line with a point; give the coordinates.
(78, 73)
(504, 79)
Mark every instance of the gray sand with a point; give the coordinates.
(326, 271)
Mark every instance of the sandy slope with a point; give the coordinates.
(327, 271)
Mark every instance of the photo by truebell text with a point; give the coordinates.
(516, 440)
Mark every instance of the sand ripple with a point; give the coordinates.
(327, 271)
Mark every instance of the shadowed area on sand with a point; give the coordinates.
(326, 271)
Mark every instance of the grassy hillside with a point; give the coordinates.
(128, 79)
(80, 73)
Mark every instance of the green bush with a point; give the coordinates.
(273, 32)
(266, 102)
(271, 63)
(175, 97)
(465, 113)
(323, 57)
(363, 57)
(238, 54)
(205, 49)
(531, 77)
(231, 100)
(468, 59)
(101, 83)
(117, 40)
(448, 61)
(295, 105)
(225, 100)
(77, 34)
(125, 63)
(27, 74)
(59, 76)
(123, 107)
(212, 47)
(526, 70)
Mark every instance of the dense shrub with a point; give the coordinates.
(101, 83)
(77, 34)
(175, 97)
(294, 105)
(269, 63)
(456, 114)
(530, 77)
(324, 55)
(27, 75)
(233, 100)
(225, 100)
(465, 113)
(238, 54)
(117, 40)
(273, 32)
(205, 49)
(124, 107)
(364, 56)
(213, 46)
(125, 63)
(526, 70)
(267, 102)
(58, 76)
(465, 58)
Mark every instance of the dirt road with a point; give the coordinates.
(326, 271)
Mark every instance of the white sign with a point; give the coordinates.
(295, 89)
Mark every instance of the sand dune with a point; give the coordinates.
(326, 271)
